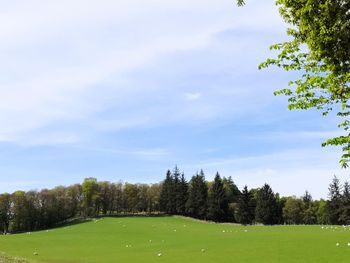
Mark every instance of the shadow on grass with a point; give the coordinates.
(81, 220)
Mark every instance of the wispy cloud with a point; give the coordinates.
(290, 172)
(192, 96)
(95, 87)
(61, 58)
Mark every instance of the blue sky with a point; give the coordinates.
(124, 90)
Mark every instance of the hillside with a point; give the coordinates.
(172, 239)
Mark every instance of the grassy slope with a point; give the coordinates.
(106, 241)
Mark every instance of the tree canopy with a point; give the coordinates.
(319, 50)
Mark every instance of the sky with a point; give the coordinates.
(126, 89)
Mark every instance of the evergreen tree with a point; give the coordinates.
(218, 204)
(281, 202)
(167, 200)
(266, 206)
(310, 209)
(5, 212)
(231, 190)
(345, 208)
(307, 199)
(232, 194)
(246, 207)
(196, 205)
(182, 195)
(335, 201)
(177, 192)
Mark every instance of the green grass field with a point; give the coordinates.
(180, 240)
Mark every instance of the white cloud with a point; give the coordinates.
(192, 96)
(58, 56)
(289, 172)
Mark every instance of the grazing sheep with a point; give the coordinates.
(159, 254)
(35, 254)
(337, 244)
(203, 250)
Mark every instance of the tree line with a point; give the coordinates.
(219, 200)
(222, 201)
(34, 210)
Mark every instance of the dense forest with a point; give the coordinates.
(219, 200)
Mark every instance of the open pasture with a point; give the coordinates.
(173, 239)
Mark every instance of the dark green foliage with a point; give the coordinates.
(246, 207)
(231, 190)
(293, 211)
(197, 203)
(167, 195)
(344, 217)
(182, 195)
(266, 206)
(218, 203)
(180, 192)
(322, 212)
(310, 209)
(335, 201)
(32, 210)
(281, 201)
(5, 212)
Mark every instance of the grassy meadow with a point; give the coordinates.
(174, 239)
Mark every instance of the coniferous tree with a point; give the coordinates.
(344, 217)
(246, 207)
(233, 195)
(218, 204)
(335, 201)
(166, 202)
(183, 195)
(177, 193)
(196, 205)
(231, 190)
(266, 206)
(310, 209)
(5, 212)
(281, 202)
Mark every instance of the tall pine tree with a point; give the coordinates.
(167, 194)
(182, 195)
(345, 208)
(246, 207)
(335, 201)
(266, 206)
(218, 203)
(196, 205)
